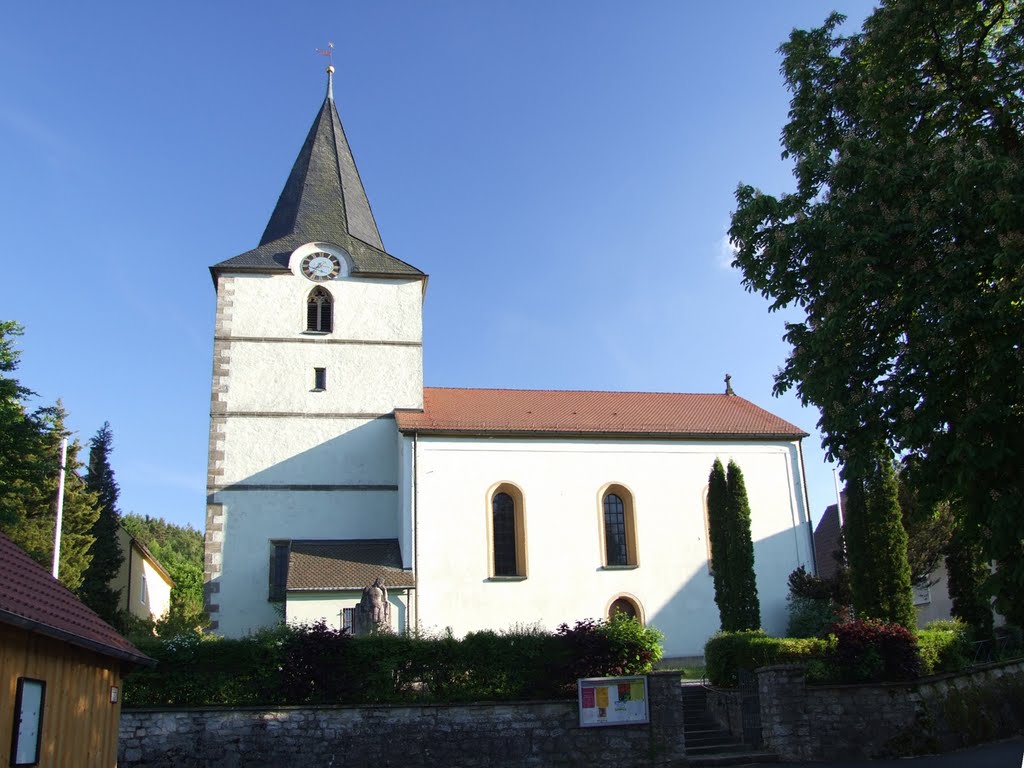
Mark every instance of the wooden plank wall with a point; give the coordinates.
(79, 722)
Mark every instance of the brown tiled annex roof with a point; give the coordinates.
(346, 564)
(570, 413)
(30, 598)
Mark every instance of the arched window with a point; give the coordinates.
(319, 311)
(627, 606)
(618, 527)
(504, 510)
(615, 530)
(507, 533)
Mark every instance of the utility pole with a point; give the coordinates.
(60, 507)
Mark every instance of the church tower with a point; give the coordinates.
(318, 339)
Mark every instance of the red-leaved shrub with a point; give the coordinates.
(871, 651)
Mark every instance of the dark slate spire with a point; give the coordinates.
(323, 196)
(323, 201)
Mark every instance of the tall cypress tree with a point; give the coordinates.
(718, 534)
(876, 544)
(746, 607)
(107, 556)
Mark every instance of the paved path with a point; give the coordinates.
(1002, 754)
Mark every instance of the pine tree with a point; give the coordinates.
(746, 607)
(876, 545)
(718, 534)
(33, 528)
(19, 434)
(106, 554)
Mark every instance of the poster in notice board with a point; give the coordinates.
(612, 701)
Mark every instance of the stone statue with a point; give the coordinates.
(373, 614)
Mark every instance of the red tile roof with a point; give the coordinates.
(32, 599)
(569, 413)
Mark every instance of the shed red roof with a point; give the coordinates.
(615, 414)
(32, 599)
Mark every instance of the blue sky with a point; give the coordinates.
(563, 171)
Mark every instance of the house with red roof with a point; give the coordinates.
(332, 465)
(61, 668)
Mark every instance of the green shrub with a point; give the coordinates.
(317, 664)
(943, 648)
(811, 617)
(727, 653)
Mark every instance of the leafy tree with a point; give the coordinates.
(928, 523)
(746, 606)
(107, 557)
(903, 244)
(876, 546)
(718, 535)
(966, 571)
(180, 550)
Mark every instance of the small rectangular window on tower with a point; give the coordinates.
(319, 379)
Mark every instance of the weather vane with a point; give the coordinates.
(329, 53)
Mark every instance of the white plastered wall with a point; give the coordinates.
(561, 482)
(297, 463)
(256, 518)
(310, 607)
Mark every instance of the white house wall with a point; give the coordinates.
(297, 450)
(254, 519)
(288, 462)
(272, 306)
(561, 483)
(311, 607)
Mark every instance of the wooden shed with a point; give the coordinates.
(60, 671)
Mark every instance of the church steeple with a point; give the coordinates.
(324, 198)
(323, 201)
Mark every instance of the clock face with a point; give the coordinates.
(321, 266)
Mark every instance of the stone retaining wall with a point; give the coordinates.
(937, 714)
(499, 735)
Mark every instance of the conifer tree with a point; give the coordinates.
(35, 513)
(718, 534)
(746, 607)
(876, 546)
(106, 554)
(18, 433)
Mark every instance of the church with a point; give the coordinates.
(331, 465)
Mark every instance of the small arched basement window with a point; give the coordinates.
(319, 311)
(625, 606)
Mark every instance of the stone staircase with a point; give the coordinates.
(707, 743)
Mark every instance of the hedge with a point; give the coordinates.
(852, 651)
(316, 664)
(728, 652)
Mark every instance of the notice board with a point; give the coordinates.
(612, 700)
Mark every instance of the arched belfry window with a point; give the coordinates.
(618, 527)
(507, 533)
(319, 311)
